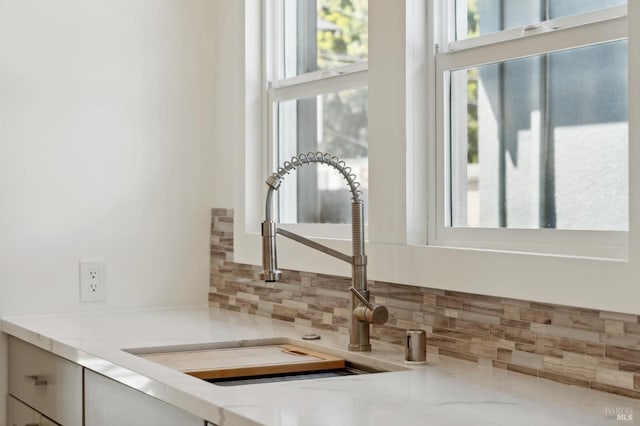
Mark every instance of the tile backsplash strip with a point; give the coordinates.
(583, 347)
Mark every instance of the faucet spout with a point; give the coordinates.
(269, 254)
(363, 312)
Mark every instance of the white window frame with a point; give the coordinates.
(545, 37)
(281, 89)
(401, 119)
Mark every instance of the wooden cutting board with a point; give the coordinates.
(246, 361)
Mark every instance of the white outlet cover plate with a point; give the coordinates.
(93, 280)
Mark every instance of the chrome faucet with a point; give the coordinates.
(363, 312)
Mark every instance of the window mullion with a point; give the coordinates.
(316, 87)
(536, 44)
(563, 23)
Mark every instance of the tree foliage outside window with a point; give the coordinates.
(343, 35)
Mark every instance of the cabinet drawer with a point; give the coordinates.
(22, 415)
(46, 382)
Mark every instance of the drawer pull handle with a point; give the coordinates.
(36, 380)
(32, 424)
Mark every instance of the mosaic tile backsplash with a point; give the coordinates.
(582, 347)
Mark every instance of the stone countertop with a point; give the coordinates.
(445, 391)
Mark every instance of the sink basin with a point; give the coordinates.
(261, 361)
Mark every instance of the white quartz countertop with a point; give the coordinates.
(445, 391)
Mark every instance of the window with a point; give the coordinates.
(533, 126)
(317, 96)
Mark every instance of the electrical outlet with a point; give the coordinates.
(93, 281)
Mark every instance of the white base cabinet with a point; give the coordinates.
(47, 390)
(109, 403)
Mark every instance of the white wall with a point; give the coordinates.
(106, 152)
(229, 100)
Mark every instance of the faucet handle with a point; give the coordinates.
(369, 312)
(375, 314)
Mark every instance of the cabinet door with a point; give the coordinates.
(109, 403)
(22, 415)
